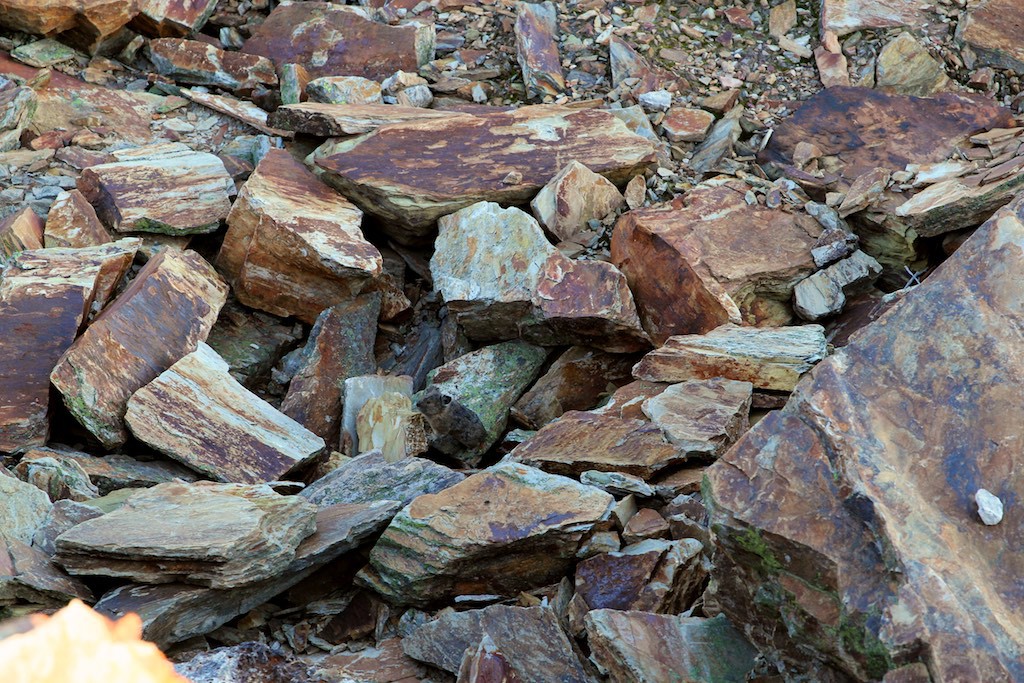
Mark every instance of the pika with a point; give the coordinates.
(454, 424)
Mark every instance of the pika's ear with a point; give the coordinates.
(445, 400)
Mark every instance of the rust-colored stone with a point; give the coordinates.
(315, 118)
(536, 32)
(993, 29)
(294, 246)
(72, 222)
(172, 17)
(86, 22)
(20, 231)
(712, 258)
(199, 63)
(164, 313)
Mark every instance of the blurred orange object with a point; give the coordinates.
(78, 645)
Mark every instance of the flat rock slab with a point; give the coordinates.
(530, 639)
(249, 661)
(199, 63)
(536, 32)
(325, 120)
(886, 444)
(581, 441)
(500, 531)
(117, 471)
(28, 576)
(572, 198)
(393, 171)
(702, 417)
(20, 231)
(294, 246)
(383, 663)
(198, 414)
(649, 648)
(172, 17)
(215, 535)
(330, 40)
(72, 222)
(992, 29)
(45, 298)
(166, 188)
(161, 316)
(370, 477)
(767, 357)
(847, 16)
(710, 258)
(91, 21)
(24, 509)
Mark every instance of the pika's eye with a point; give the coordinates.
(445, 400)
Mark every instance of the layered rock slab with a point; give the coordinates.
(199, 63)
(853, 529)
(370, 477)
(712, 258)
(198, 414)
(164, 313)
(325, 119)
(294, 246)
(392, 172)
(502, 530)
(208, 534)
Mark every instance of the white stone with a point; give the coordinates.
(990, 508)
(656, 100)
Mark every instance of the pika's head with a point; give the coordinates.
(432, 402)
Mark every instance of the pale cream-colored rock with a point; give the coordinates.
(24, 509)
(165, 188)
(904, 66)
(198, 414)
(204, 533)
(344, 90)
(389, 424)
(178, 296)
(865, 191)
(87, 22)
(702, 417)
(573, 197)
(500, 531)
(833, 70)
(824, 293)
(767, 357)
(294, 246)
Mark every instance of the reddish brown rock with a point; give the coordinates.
(315, 118)
(702, 417)
(20, 231)
(294, 245)
(711, 258)
(340, 346)
(851, 512)
(72, 222)
(332, 40)
(86, 22)
(199, 63)
(243, 110)
(537, 49)
(573, 197)
(992, 29)
(382, 663)
(847, 16)
(178, 295)
(172, 17)
(166, 188)
(391, 172)
(45, 297)
(627, 63)
(687, 125)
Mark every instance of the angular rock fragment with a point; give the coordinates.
(536, 32)
(713, 258)
(573, 197)
(344, 90)
(333, 40)
(216, 535)
(575, 381)
(391, 172)
(315, 118)
(355, 394)
(865, 191)
(370, 477)
(199, 63)
(112, 472)
(768, 358)
(687, 125)
(24, 509)
(59, 479)
(626, 63)
(178, 295)
(702, 417)
(530, 639)
(847, 16)
(174, 612)
(824, 293)
(294, 246)
(251, 661)
(243, 110)
(87, 23)
(72, 222)
(468, 538)
(467, 401)
(383, 663)
(27, 575)
(198, 414)
(648, 648)
(17, 107)
(991, 29)
(20, 231)
(650, 576)
(172, 17)
(904, 66)
(521, 285)
(833, 69)
(580, 441)
(339, 346)
(46, 296)
(166, 188)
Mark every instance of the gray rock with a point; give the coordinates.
(370, 477)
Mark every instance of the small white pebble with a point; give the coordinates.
(990, 508)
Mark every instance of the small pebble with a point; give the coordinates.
(990, 508)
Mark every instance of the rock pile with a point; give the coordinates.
(491, 340)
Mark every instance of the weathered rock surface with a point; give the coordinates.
(853, 529)
(24, 509)
(252, 661)
(172, 17)
(824, 293)
(63, 515)
(391, 172)
(467, 538)
(768, 358)
(502, 278)
(17, 108)
(344, 90)
(252, 342)
(87, 22)
(356, 392)
(702, 417)
(199, 63)
(991, 29)
(687, 125)
(905, 67)
(339, 346)
(530, 640)
(382, 663)
(389, 423)
(333, 40)
(166, 188)
(72, 222)
(20, 231)
(573, 197)
(198, 414)
(537, 48)
(112, 472)
(174, 612)
(639, 647)
(712, 258)
(59, 479)
(325, 119)
(847, 16)
(216, 535)
(370, 477)
(294, 246)
(27, 575)
(179, 296)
